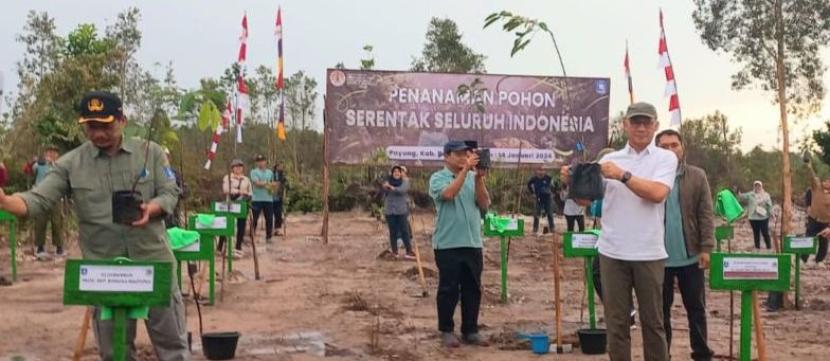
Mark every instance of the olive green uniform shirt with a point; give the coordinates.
(90, 176)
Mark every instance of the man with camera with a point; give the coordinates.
(460, 196)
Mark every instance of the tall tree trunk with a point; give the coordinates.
(787, 205)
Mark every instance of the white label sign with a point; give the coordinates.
(218, 223)
(513, 225)
(116, 278)
(223, 207)
(193, 247)
(801, 242)
(584, 240)
(750, 268)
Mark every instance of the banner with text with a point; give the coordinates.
(407, 117)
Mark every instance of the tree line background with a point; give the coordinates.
(55, 70)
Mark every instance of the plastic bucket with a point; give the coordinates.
(539, 343)
(592, 341)
(220, 345)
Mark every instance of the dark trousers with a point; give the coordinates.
(459, 276)
(543, 204)
(692, 284)
(579, 220)
(278, 213)
(240, 234)
(267, 210)
(399, 229)
(759, 228)
(813, 228)
(54, 217)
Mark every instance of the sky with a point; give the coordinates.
(200, 38)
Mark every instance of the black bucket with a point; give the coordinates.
(775, 301)
(220, 345)
(592, 341)
(126, 207)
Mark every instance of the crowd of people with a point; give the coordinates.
(657, 224)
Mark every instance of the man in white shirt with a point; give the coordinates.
(632, 250)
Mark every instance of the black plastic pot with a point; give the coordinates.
(126, 207)
(220, 345)
(775, 300)
(592, 341)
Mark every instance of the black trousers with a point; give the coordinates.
(813, 229)
(692, 284)
(459, 277)
(399, 228)
(580, 221)
(760, 228)
(278, 213)
(543, 204)
(240, 234)
(267, 209)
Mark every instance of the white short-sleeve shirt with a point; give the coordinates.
(632, 227)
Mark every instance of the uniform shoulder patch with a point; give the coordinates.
(169, 173)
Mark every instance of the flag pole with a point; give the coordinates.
(671, 65)
(628, 75)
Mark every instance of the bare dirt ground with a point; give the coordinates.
(342, 302)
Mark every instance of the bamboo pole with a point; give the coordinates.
(325, 229)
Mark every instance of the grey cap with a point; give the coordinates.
(641, 109)
(455, 145)
(237, 162)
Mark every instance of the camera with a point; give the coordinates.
(483, 158)
(483, 154)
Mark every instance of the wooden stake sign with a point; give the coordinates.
(120, 284)
(747, 272)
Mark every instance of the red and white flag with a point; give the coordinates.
(671, 83)
(217, 135)
(280, 85)
(242, 99)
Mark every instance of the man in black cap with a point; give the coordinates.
(460, 195)
(106, 163)
(263, 197)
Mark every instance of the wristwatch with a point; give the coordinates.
(625, 177)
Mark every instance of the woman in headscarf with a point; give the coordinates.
(758, 210)
(396, 209)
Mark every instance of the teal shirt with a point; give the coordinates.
(262, 194)
(458, 220)
(41, 171)
(675, 241)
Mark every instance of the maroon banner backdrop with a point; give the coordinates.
(407, 117)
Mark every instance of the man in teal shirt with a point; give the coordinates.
(263, 197)
(460, 195)
(689, 239)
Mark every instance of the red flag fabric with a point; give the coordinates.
(671, 83)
